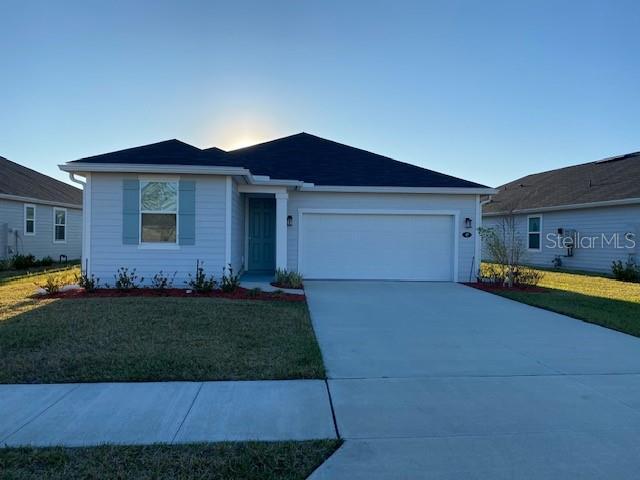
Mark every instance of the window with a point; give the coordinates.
(158, 212)
(29, 219)
(533, 232)
(59, 225)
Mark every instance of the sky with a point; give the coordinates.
(484, 90)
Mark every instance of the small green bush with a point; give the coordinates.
(229, 282)
(626, 272)
(288, 279)
(160, 281)
(125, 280)
(200, 282)
(45, 262)
(88, 282)
(52, 284)
(21, 262)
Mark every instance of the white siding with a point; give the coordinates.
(587, 222)
(108, 253)
(237, 226)
(41, 244)
(465, 205)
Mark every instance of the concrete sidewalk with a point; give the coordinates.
(167, 412)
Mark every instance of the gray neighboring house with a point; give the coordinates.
(38, 214)
(586, 216)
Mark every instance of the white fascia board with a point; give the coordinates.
(140, 168)
(18, 198)
(575, 206)
(440, 190)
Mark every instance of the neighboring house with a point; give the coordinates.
(301, 202)
(38, 214)
(586, 216)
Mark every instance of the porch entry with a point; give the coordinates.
(262, 235)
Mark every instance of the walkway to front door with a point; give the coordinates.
(262, 235)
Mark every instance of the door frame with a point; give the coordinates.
(247, 201)
(358, 211)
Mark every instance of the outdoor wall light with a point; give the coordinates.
(289, 221)
(467, 222)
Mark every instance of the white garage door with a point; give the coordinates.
(376, 246)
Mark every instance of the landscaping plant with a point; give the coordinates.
(200, 282)
(88, 282)
(626, 272)
(160, 281)
(52, 284)
(125, 280)
(505, 248)
(21, 262)
(230, 282)
(288, 279)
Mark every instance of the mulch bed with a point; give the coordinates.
(490, 287)
(239, 294)
(279, 285)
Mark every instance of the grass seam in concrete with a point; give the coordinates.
(64, 395)
(195, 397)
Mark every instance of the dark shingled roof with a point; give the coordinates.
(614, 178)
(302, 157)
(24, 182)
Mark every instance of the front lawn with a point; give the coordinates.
(595, 299)
(152, 339)
(223, 461)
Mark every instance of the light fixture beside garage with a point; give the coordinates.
(467, 222)
(289, 221)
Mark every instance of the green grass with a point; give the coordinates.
(10, 275)
(151, 339)
(218, 461)
(595, 299)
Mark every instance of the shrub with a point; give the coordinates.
(230, 282)
(88, 282)
(125, 280)
(200, 282)
(288, 279)
(527, 276)
(45, 262)
(21, 262)
(626, 272)
(52, 284)
(5, 264)
(160, 281)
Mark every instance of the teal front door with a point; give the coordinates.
(262, 234)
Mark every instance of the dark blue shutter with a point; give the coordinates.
(187, 213)
(130, 211)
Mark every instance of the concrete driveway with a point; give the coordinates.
(438, 380)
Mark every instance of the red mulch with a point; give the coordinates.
(239, 294)
(489, 287)
(279, 285)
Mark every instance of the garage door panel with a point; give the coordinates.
(377, 246)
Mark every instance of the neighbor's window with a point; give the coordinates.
(29, 219)
(534, 233)
(158, 211)
(59, 225)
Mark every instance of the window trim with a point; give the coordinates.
(66, 223)
(158, 245)
(539, 232)
(29, 234)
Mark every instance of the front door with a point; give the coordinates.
(262, 234)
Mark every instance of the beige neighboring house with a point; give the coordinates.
(38, 214)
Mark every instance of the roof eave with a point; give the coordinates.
(575, 206)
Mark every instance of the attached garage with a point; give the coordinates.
(378, 244)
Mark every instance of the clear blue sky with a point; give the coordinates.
(488, 91)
